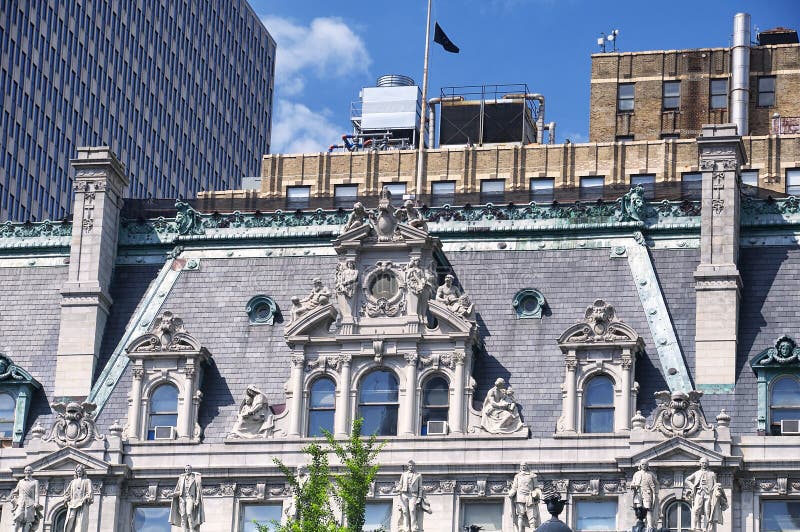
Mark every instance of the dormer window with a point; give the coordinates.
(778, 373)
(598, 405)
(7, 407)
(784, 403)
(163, 411)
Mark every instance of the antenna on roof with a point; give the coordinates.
(611, 37)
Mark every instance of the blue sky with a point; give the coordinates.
(328, 51)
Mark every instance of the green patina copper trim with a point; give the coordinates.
(142, 317)
(673, 366)
(715, 389)
(46, 234)
(770, 212)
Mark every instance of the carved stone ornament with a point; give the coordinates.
(254, 419)
(165, 334)
(678, 414)
(411, 216)
(318, 296)
(500, 412)
(383, 289)
(785, 352)
(386, 222)
(74, 426)
(188, 220)
(632, 206)
(357, 218)
(600, 325)
(418, 278)
(11, 373)
(346, 278)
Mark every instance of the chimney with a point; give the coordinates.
(717, 281)
(85, 300)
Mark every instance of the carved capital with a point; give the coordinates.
(459, 358)
(298, 360)
(411, 358)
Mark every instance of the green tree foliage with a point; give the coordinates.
(351, 486)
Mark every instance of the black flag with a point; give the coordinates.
(440, 38)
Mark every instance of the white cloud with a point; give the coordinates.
(298, 129)
(326, 48)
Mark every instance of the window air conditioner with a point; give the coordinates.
(437, 428)
(164, 433)
(790, 426)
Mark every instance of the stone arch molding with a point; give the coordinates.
(600, 344)
(167, 353)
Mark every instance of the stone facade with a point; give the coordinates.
(301, 309)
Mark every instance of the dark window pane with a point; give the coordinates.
(492, 191)
(780, 516)
(322, 393)
(625, 97)
(599, 420)
(7, 407)
(444, 193)
(692, 185)
(436, 392)
(793, 182)
(345, 195)
(153, 519)
(298, 197)
(318, 420)
(379, 387)
(648, 183)
(596, 515)
(380, 420)
(6, 429)
(384, 285)
(766, 91)
(164, 399)
(600, 392)
(672, 94)
(263, 513)
(377, 515)
(487, 515)
(719, 93)
(397, 190)
(542, 190)
(786, 392)
(591, 188)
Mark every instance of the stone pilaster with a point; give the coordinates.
(85, 301)
(717, 281)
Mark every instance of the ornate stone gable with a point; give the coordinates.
(678, 414)
(17, 382)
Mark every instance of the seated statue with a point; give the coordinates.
(254, 419)
(499, 414)
(357, 218)
(319, 296)
(450, 295)
(411, 216)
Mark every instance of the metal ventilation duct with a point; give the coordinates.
(740, 67)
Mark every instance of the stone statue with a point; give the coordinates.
(632, 205)
(450, 295)
(357, 218)
(417, 278)
(500, 414)
(645, 493)
(186, 510)
(411, 216)
(26, 511)
(386, 222)
(707, 497)
(411, 499)
(301, 476)
(319, 295)
(254, 419)
(525, 495)
(77, 497)
(346, 278)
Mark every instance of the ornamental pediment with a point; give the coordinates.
(678, 452)
(783, 354)
(166, 335)
(600, 327)
(64, 461)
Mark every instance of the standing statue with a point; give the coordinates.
(500, 414)
(301, 477)
(412, 499)
(707, 497)
(78, 496)
(319, 295)
(417, 279)
(254, 419)
(186, 510)
(411, 216)
(358, 217)
(25, 508)
(346, 278)
(645, 493)
(525, 495)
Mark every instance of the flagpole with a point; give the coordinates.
(423, 118)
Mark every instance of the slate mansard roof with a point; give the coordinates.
(571, 275)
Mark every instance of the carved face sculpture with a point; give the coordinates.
(187, 469)
(80, 472)
(785, 348)
(410, 466)
(500, 383)
(317, 283)
(704, 463)
(166, 322)
(643, 465)
(448, 281)
(28, 472)
(523, 467)
(74, 412)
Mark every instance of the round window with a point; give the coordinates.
(383, 286)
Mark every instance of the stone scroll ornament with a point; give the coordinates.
(74, 426)
(678, 414)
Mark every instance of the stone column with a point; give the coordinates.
(135, 408)
(296, 386)
(85, 300)
(717, 277)
(186, 414)
(570, 394)
(342, 417)
(623, 421)
(457, 413)
(408, 408)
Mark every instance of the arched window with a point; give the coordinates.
(784, 402)
(378, 403)
(435, 401)
(59, 521)
(7, 407)
(598, 401)
(321, 406)
(679, 517)
(163, 409)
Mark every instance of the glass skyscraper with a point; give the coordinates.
(181, 90)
